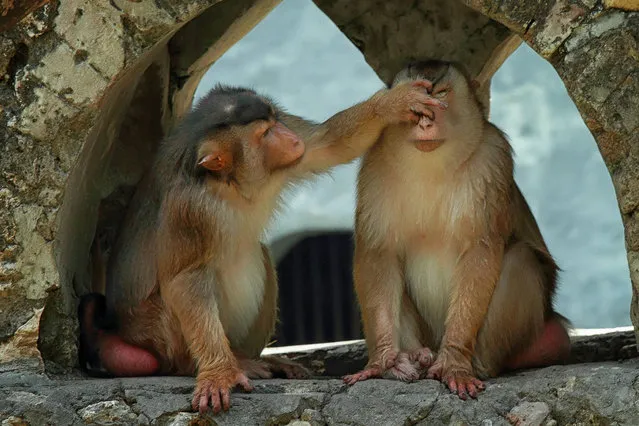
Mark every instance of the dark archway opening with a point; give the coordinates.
(317, 300)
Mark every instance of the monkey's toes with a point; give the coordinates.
(215, 397)
(464, 385)
(423, 356)
(255, 369)
(365, 374)
(244, 382)
(217, 393)
(296, 372)
(434, 372)
(403, 369)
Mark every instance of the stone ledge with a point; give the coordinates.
(596, 393)
(339, 358)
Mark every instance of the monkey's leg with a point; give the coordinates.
(379, 286)
(473, 282)
(191, 298)
(260, 333)
(515, 333)
(99, 347)
(414, 336)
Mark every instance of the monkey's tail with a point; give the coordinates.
(92, 317)
(565, 322)
(98, 267)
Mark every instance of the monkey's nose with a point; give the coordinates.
(426, 122)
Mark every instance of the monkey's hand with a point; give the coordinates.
(456, 372)
(408, 102)
(215, 389)
(423, 358)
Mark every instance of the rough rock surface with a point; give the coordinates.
(594, 47)
(594, 394)
(339, 360)
(84, 99)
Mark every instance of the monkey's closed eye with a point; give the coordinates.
(441, 93)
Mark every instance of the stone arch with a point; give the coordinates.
(77, 111)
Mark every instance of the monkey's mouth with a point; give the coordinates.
(428, 145)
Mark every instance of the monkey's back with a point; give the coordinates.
(132, 266)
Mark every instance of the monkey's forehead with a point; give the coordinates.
(434, 70)
(228, 109)
(246, 109)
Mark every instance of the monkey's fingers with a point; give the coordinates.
(464, 385)
(427, 84)
(434, 102)
(195, 402)
(244, 383)
(420, 113)
(201, 399)
(226, 399)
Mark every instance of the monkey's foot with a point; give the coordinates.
(290, 369)
(255, 368)
(365, 374)
(403, 369)
(398, 367)
(423, 357)
(215, 389)
(459, 381)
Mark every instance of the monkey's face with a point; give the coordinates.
(247, 155)
(279, 146)
(449, 85)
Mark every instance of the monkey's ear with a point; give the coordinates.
(217, 161)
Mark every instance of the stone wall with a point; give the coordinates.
(594, 46)
(87, 90)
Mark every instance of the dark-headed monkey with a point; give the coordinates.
(191, 290)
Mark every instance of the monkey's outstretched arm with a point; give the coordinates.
(349, 133)
(340, 139)
(190, 296)
(474, 280)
